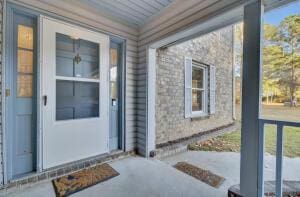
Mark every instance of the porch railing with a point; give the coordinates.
(279, 150)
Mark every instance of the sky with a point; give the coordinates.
(275, 16)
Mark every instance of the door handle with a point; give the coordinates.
(45, 100)
(7, 92)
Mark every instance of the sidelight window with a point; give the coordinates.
(25, 61)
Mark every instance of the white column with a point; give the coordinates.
(251, 175)
(151, 94)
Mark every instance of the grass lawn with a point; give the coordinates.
(230, 142)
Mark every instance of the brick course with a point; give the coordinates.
(63, 170)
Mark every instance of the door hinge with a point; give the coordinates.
(7, 92)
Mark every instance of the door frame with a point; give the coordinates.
(8, 8)
(121, 90)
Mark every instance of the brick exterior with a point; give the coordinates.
(214, 49)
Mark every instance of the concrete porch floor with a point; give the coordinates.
(152, 177)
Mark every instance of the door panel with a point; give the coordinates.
(75, 91)
(23, 161)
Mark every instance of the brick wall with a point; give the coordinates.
(214, 49)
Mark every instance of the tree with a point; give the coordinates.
(282, 55)
(273, 59)
(238, 53)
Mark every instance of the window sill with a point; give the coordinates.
(200, 116)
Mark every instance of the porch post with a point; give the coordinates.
(151, 94)
(251, 175)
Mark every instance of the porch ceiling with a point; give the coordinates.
(133, 12)
(144, 15)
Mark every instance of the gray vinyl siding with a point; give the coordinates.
(1, 60)
(161, 27)
(106, 26)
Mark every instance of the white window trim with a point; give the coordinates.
(203, 112)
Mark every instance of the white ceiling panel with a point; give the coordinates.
(134, 12)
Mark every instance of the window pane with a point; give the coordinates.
(197, 98)
(25, 61)
(113, 57)
(24, 87)
(76, 57)
(25, 37)
(113, 74)
(197, 77)
(75, 100)
(113, 90)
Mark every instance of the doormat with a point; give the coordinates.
(83, 179)
(203, 175)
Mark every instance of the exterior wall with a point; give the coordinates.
(175, 18)
(213, 49)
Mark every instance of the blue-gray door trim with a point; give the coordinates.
(10, 88)
(119, 44)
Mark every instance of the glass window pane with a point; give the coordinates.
(113, 90)
(197, 98)
(197, 77)
(65, 53)
(24, 85)
(75, 100)
(113, 74)
(87, 69)
(25, 61)
(76, 57)
(113, 57)
(25, 37)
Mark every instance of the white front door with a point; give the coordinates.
(75, 92)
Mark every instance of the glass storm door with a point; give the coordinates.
(75, 93)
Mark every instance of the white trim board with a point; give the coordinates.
(220, 20)
(3, 97)
(151, 98)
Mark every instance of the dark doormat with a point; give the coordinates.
(203, 175)
(82, 179)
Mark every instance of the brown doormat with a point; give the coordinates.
(203, 175)
(82, 179)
